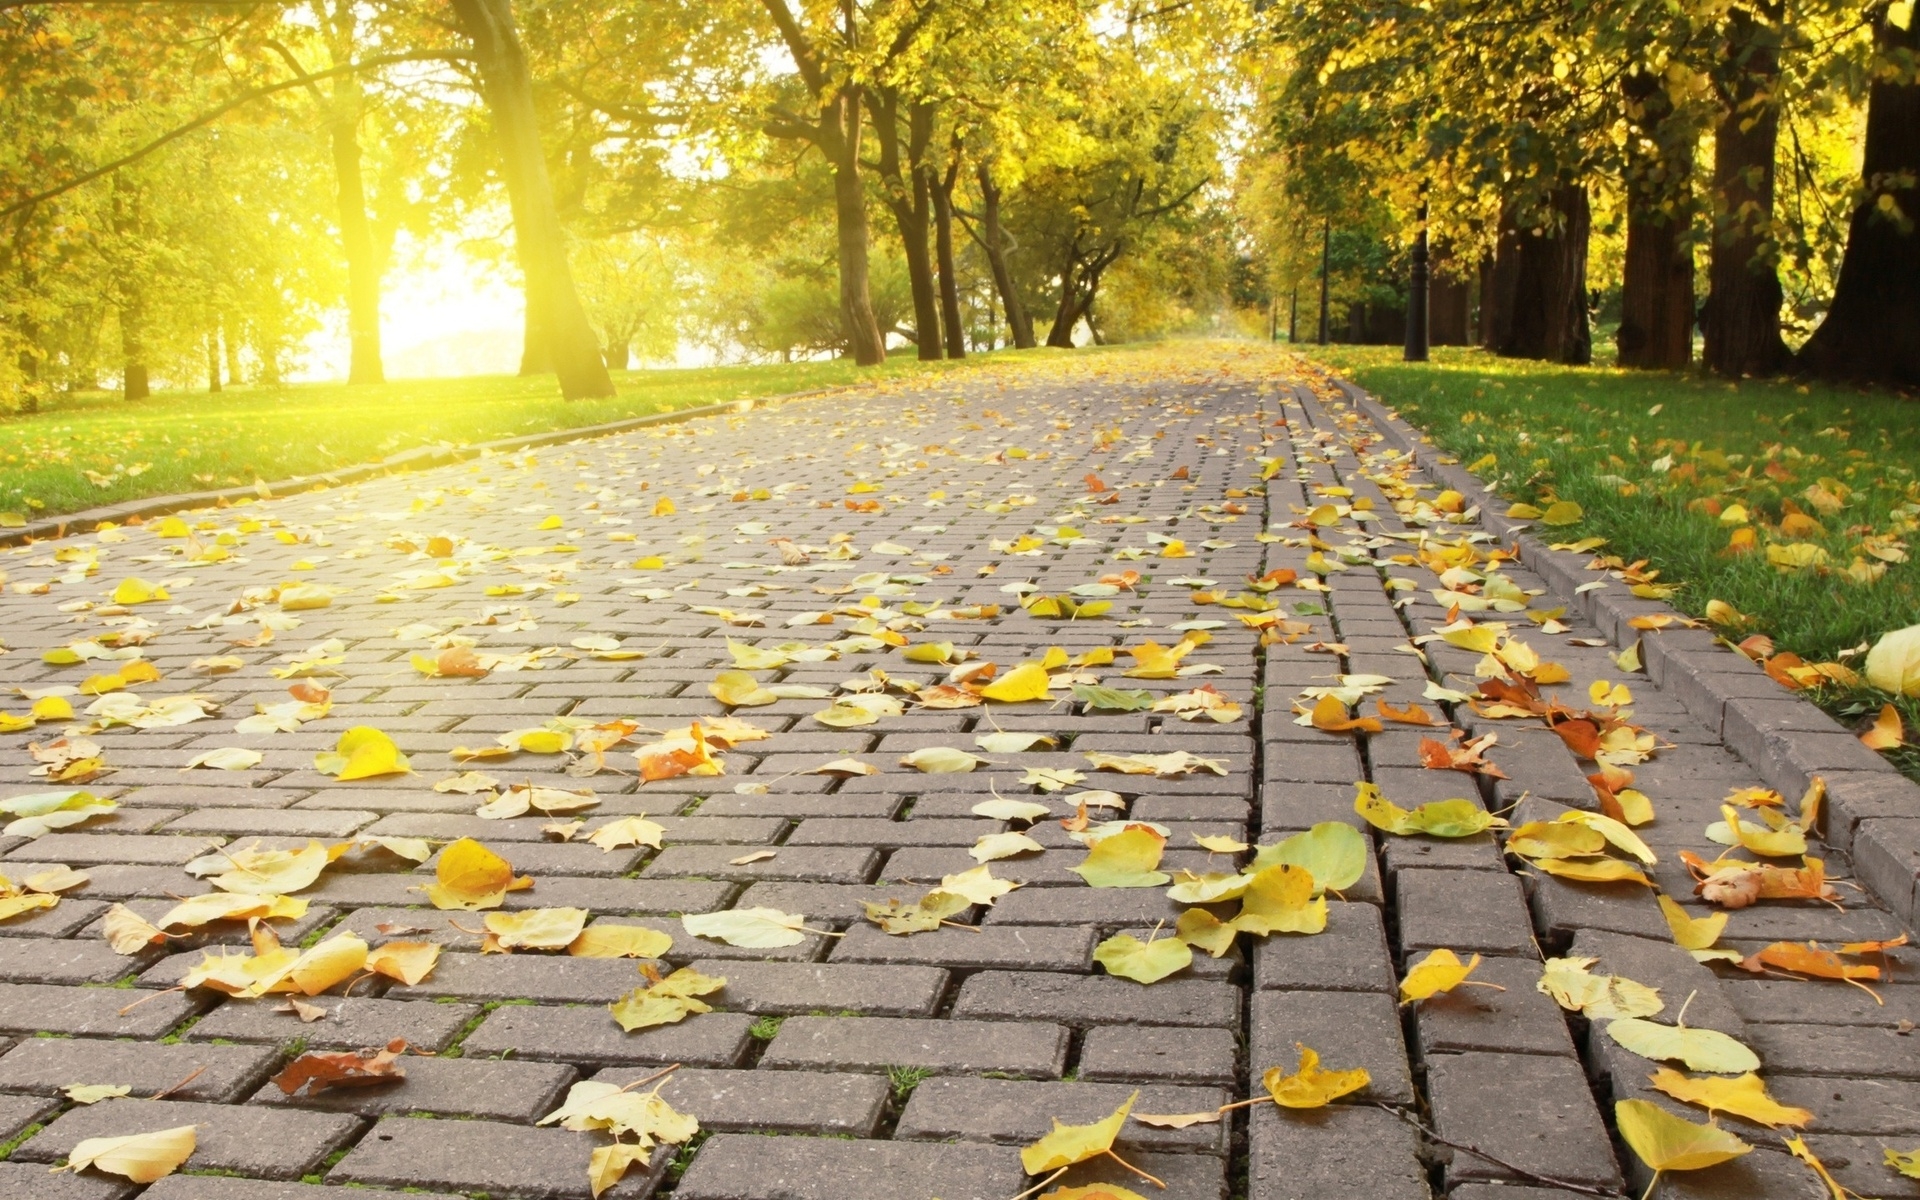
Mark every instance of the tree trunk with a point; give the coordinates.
(1489, 299)
(1743, 304)
(840, 127)
(993, 240)
(618, 354)
(1871, 333)
(356, 234)
(942, 188)
(1548, 314)
(538, 238)
(904, 188)
(133, 349)
(1067, 313)
(213, 360)
(230, 346)
(1447, 301)
(1656, 294)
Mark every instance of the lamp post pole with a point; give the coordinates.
(1417, 291)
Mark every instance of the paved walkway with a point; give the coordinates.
(838, 531)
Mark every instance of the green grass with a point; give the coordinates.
(1654, 457)
(191, 441)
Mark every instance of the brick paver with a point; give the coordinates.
(841, 532)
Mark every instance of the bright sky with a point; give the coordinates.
(442, 313)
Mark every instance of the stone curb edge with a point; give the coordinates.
(418, 458)
(1872, 811)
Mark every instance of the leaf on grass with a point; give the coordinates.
(1311, 1087)
(1066, 1145)
(142, 1157)
(756, 928)
(1668, 1143)
(1440, 971)
(1143, 962)
(316, 1072)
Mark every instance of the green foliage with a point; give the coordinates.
(1590, 435)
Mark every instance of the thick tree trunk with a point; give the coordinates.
(904, 187)
(1656, 294)
(1871, 333)
(1743, 304)
(618, 354)
(864, 339)
(1447, 301)
(993, 240)
(1067, 313)
(1489, 295)
(213, 360)
(1547, 318)
(538, 239)
(942, 188)
(356, 233)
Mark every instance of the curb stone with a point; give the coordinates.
(1871, 808)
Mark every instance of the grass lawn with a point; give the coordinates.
(95, 449)
(1659, 462)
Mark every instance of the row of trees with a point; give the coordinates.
(1760, 157)
(194, 184)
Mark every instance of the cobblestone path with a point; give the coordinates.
(840, 534)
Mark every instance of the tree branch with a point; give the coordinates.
(796, 39)
(208, 118)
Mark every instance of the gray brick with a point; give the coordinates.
(536, 977)
(1886, 853)
(1350, 955)
(843, 903)
(848, 1105)
(890, 835)
(1159, 1053)
(1081, 1000)
(1531, 1110)
(31, 1181)
(219, 1074)
(1341, 1152)
(216, 1187)
(1360, 1029)
(1761, 1173)
(1663, 965)
(1035, 948)
(350, 1024)
(485, 1156)
(1883, 1107)
(87, 1012)
(88, 849)
(1520, 1020)
(1099, 908)
(1200, 1176)
(785, 989)
(737, 1166)
(1032, 1049)
(62, 960)
(18, 1112)
(520, 1092)
(806, 864)
(589, 1037)
(245, 823)
(1463, 911)
(252, 1141)
(1855, 1051)
(1017, 1112)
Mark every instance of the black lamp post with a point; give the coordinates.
(1417, 291)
